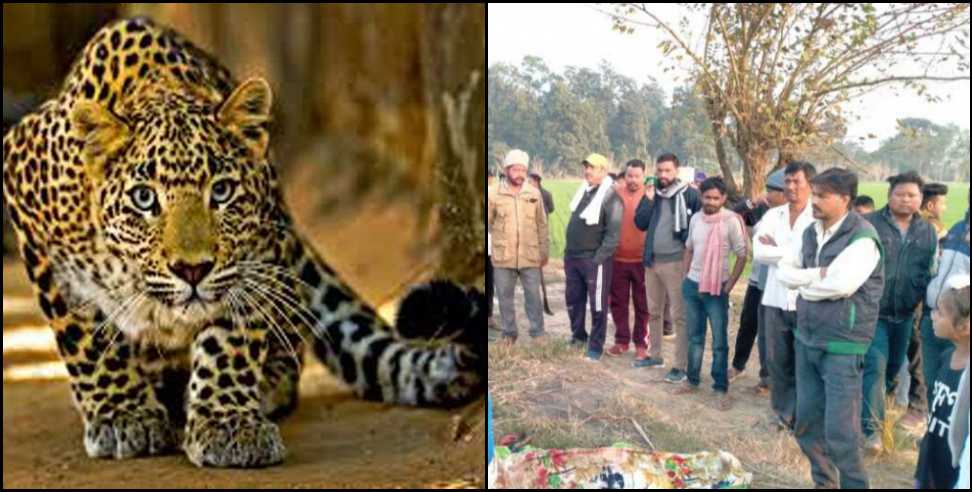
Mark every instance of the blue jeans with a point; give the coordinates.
(888, 352)
(935, 352)
(701, 309)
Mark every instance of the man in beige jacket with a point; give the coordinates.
(517, 224)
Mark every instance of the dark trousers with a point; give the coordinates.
(781, 362)
(588, 283)
(489, 286)
(910, 381)
(702, 310)
(628, 283)
(916, 390)
(888, 351)
(750, 329)
(828, 416)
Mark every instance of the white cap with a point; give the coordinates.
(516, 156)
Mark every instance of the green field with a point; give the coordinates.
(563, 191)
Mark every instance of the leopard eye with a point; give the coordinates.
(223, 191)
(144, 198)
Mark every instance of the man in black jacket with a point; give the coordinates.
(910, 248)
(593, 234)
(665, 215)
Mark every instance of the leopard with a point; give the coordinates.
(150, 220)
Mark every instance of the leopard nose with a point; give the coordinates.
(191, 273)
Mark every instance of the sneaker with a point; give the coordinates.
(649, 362)
(668, 334)
(617, 350)
(593, 357)
(641, 353)
(575, 343)
(734, 374)
(676, 376)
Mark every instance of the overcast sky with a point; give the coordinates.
(578, 35)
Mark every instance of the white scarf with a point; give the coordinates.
(677, 190)
(592, 214)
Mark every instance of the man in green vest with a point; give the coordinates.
(839, 276)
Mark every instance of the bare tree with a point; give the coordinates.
(776, 77)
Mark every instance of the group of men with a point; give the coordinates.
(831, 302)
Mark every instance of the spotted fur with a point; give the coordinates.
(150, 222)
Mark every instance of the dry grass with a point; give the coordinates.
(545, 390)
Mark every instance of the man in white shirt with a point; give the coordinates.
(838, 273)
(780, 231)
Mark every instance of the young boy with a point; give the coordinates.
(936, 468)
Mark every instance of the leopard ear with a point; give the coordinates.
(102, 133)
(246, 113)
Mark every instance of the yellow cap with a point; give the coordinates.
(596, 160)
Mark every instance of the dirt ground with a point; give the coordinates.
(334, 440)
(545, 391)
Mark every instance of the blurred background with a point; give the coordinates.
(379, 129)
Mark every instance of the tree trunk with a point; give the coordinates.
(717, 118)
(755, 165)
(786, 156)
(726, 167)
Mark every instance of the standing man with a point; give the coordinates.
(629, 275)
(665, 215)
(592, 237)
(516, 217)
(712, 236)
(781, 231)
(839, 275)
(911, 378)
(752, 320)
(910, 248)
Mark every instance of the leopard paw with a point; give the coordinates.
(235, 441)
(129, 434)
